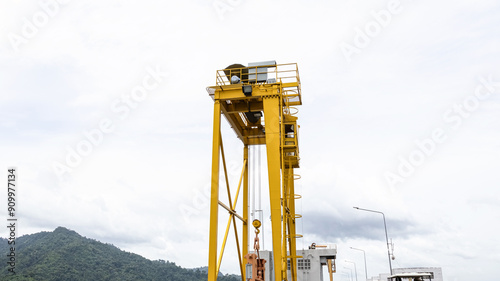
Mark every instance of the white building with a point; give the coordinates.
(309, 267)
(436, 271)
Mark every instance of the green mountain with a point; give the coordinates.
(64, 255)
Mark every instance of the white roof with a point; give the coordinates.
(412, 274)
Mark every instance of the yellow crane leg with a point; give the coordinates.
(245, 206)
(214, 195)
(330, 270)
(272, 111)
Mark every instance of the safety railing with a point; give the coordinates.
(287, 75)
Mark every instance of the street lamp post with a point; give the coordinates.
(346, 274)
(386, 238)
(355, 270)
(350, 276)
(364, 254)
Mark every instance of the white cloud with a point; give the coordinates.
(356, 119)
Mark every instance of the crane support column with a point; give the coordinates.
(272, 114)
(244, 243)
(214, 195)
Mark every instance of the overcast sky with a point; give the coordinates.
(104, 112)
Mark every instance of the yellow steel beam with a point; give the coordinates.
(330, 271)
(255, 132)
(290, 85)
(239, 182)
(255, 141)
(230, 92)
(225, 173)
(245, 205)
(244, 107)
(223, 247)
(214, 198)
(286, 238)
(231, 217)
(254, 136)
(240, 258)
(233, 121)
(233, 212)
(272, 114)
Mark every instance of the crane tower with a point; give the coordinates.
(259, 102)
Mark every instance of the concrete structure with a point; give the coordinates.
(380, 277)
(436, 271)
(309, 267)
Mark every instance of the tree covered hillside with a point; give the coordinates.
(64, 255)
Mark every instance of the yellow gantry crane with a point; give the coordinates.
(259, 102)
